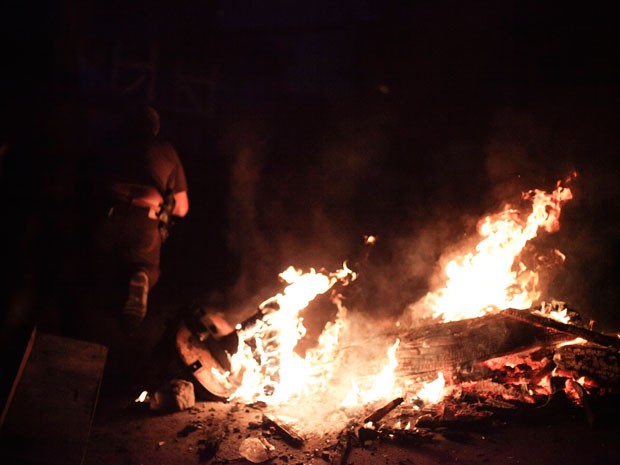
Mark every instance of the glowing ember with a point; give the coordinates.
(491, 277)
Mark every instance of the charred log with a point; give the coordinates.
(383, 411)
(559, 327)
(448, 346)
(599, 363)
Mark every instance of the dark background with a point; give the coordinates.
(304, 126)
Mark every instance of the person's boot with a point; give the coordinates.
(135, 306)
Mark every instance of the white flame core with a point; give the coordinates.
(432, 392)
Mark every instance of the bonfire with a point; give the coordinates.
(484, 341)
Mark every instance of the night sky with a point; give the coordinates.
(326, 121)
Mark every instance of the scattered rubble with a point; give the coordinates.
(175, 395)
(256, 449)
(540, 371)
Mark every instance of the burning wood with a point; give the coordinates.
(511, 363)
(494, 362)
(383, 411)
(448, 346)
(553, 325)
(599, 363)
(483, 359)
(456, 415)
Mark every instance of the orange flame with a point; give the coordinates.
(269, 368)
(490, 277)
(266, 368)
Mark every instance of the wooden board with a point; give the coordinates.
(48, 417)
(196, 355)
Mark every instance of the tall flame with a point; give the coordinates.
(490, 277)
(266, 366)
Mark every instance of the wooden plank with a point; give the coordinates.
(49, 417)
(18, 376)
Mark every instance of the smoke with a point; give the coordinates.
(296, 178)
(534, 150)
(307, 185)
(305, 190)
(248, 244)
(513, 159)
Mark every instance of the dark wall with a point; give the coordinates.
(330, 121)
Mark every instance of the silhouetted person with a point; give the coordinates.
(143, 186)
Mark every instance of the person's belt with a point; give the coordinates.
(153, 209)
(150, 210)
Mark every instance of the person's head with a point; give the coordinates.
(153, 120)
(144, 120)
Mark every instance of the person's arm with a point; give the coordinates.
(181, 204)
(178, 181)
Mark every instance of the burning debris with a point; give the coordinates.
(480, 348)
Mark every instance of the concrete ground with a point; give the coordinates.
(213, 432)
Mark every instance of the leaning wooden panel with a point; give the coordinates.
(50, 414)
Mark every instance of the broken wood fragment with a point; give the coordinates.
(342, 449)
(479, 422)
(383, 411)
(583, 396)
(285, 430)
